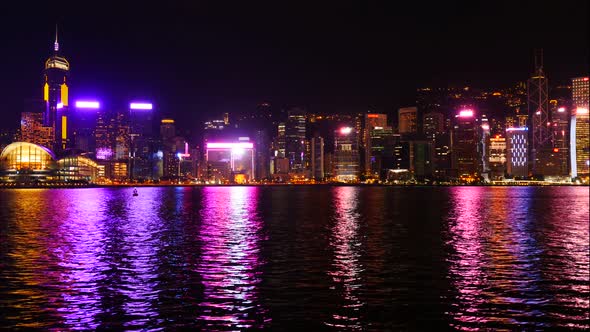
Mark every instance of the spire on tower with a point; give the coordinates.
(56, 44)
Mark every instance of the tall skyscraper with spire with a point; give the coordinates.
(538, 109)
(55, 95)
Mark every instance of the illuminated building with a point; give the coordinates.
(55, 95)
(281, 141)
(433, 124)
(141, 145)
(421, 156)
(382, 142)
(464, 144)
(408, 120)
(442, 156)
(225, 160)
(346, 155)
(483, 145)
(167, 129)
(317, 158)
(83, 125)
(497, 159)
(371, 121)
(295, 129)
(560, 134)
(538, 112)
(77, 168)
(517, 151)
(33, 131)
(580, 136)
(26, 162)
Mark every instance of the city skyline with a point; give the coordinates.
(197, 81)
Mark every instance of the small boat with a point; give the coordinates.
(135, 192)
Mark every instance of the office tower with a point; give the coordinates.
(464, 144)
(421, 156)
(281, 141)
(295, 139)
(33, 131)
(442, 156)
(497, 159)
(408, 120)
(517, 151)
(142, 145)
(483, 145)
(317, 158)
(346, 155)
(401, 154)
(580, 127)
(371, 121)
(83, 122)
(167, 129)
(538, 112)
(381, 145)
(433, 124)
(55, 95)
(262, 154)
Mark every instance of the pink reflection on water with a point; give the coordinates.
(467, 262)
(230, 236)
(346, 267)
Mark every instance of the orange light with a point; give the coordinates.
(555, 150)
(372, 116)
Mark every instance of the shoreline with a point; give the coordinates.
(81, 186)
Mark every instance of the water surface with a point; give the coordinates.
(316, 258)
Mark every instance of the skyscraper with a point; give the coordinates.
(295, 138)
(55, 95)
(538, 112)
(433, 124)
(464, 144)
(579, 130)
(408, 120)
(371, 121)
(517, 151)
(317, 158)
(346, 155)
(141, 142)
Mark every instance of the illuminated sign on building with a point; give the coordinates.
(87, 104)
(140, 106)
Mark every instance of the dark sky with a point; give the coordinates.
(195, 58)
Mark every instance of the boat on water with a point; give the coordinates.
(135, 192)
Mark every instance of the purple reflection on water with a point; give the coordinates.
(506, 259)
(346, 267)
(230, 236)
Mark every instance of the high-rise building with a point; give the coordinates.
(580, 126)
(83, 122)
(382, 144)
(464, 144)
(317, 158)
(371, 121)
(538, 112)
(141, 145)
(33, 131)
(167, 129)
(295, 139)
(346, 155)
(408, 120)
(262, 155)
(55, 95)
(497, 159)
(517, 151)
(281, 141)
(433, 124)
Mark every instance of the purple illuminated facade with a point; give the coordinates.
(517, 151)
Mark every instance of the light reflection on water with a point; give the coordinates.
(342, 258)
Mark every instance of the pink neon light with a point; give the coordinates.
(466, 113)
(561, 109)
(345, 130)
(585, 78)
(140, 106)
(581, 110)
(87, 104)
(239, 145)
(60, 105)
(485, 127)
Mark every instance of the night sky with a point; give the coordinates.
(199, 59)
